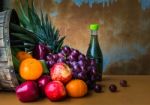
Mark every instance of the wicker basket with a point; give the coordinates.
(8, 79)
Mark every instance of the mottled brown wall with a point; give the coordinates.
(124, 35)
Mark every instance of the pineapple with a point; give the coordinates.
(35, 31)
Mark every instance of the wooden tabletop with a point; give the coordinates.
(137, 93)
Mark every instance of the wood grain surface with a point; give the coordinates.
(137, 93)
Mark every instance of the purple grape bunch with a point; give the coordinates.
(82, 67)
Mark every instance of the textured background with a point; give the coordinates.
(124, 35)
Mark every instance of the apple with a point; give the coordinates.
(55, 91)
(42, 82)
(61, 72)
(27, 91)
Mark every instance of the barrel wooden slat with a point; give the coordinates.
(1, 25)
(3, 56)
(1, 43)
(1, 75)
(2, 16)
(2, 20)
(8, 79)
(3, 63)
(1, 32)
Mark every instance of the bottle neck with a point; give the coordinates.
(94, 33)
(94, 36)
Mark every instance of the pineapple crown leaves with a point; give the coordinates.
(39, 25)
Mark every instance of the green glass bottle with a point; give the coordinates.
(94, 50)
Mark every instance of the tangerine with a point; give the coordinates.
(76, 88)
(22, 55)
(30, 69)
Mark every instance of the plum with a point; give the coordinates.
(42, 82)
(27, 91)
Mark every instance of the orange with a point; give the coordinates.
(30, 69)
(76, 88)
(21, 55)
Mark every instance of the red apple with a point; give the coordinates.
(42, 82)
(27, 91)
(55, 91)
(61, 72)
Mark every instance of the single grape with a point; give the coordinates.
(97, 88)
(113, 88)
(75, 53)
(123, 83)
(61, 55)
(49, 57)
(74, 63)
(87, 60)
(67, 49)
(90, 68)
(83, 68)
(61, 60)
(93, 71)
(81, 57)
(72, 58)
(64, 52)
(82, 75)
(92, 62)
(55, 57)
(77, 68)
(82, 63)
(50, 63)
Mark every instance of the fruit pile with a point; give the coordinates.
(69, 73)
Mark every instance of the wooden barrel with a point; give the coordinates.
(8, 79)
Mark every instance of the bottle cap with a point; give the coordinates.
(94, 27)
